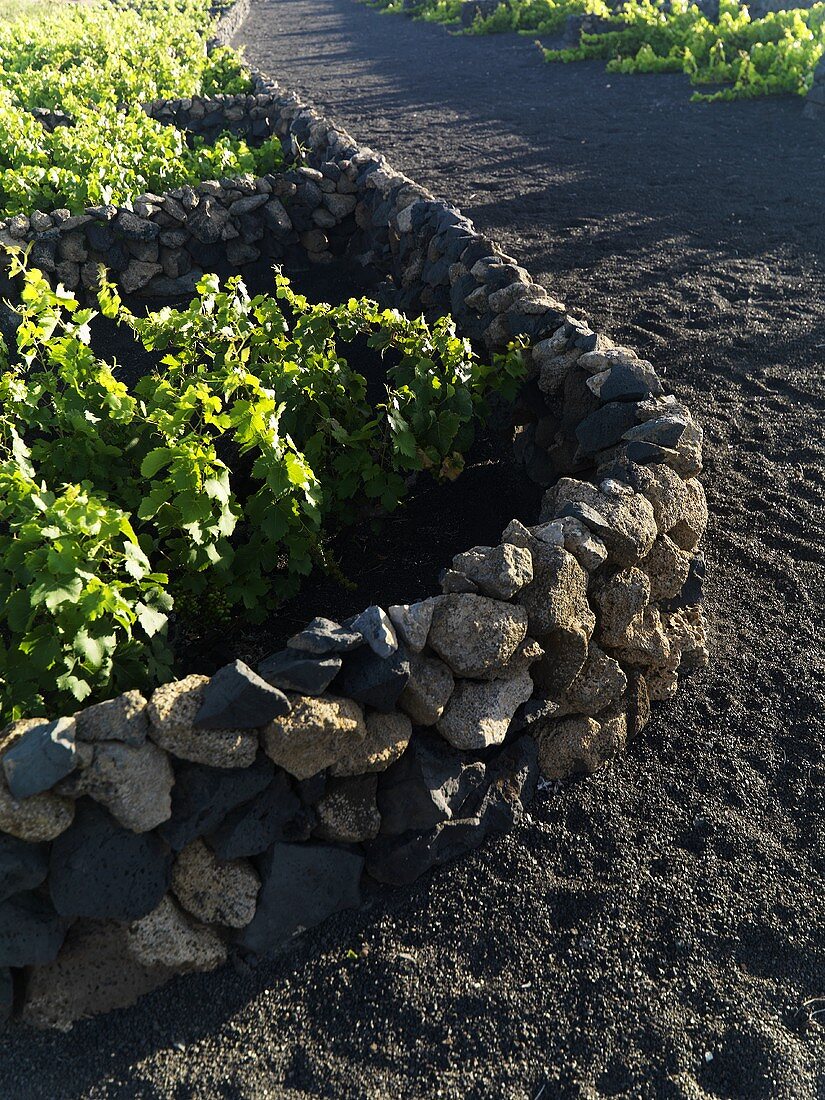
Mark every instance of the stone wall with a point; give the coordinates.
(140, 838)
(815, 103)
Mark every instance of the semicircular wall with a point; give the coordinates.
(140, 838)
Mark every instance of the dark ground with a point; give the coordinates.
(657, 931)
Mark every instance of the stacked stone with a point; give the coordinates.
(143, 838)
(815, 103)
(245, 115)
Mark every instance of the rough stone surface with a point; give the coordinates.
(348, 812)
(300, 672)
(213, 891)
(428, 785)
(479, 714)
(315, 734)
(599, 683)
(22, 866)
(375, 626)
(412, 622)
(277, 813)
(622, 519)
(620, 600)
(121, 719)
(557, 597)
(94, 973)
(428, 689)
(474, 634)
(575, 745)
(387, 737)
(99, 869)
(238, 697)
(373, 680)
(41, 817)
(173, 709)
(166, 938)
(40, 757)
(325, 636)
(134, 783)
(31, 932)
(667, 568)
(301, 885)
(497, 571)
(203, 797)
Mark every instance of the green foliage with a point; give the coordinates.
(226, 468)
(524, 16)
(90, 60)
(773, 55)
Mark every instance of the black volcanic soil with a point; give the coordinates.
(657, 930)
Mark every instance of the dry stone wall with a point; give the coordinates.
(141, 838)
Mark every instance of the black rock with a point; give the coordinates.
(6, 994)
(312, 790)
(491, 808)
(691, 593)
(325, 636)
(606, 426)
(238, 698)
(22, 866)
(99, 869)
(664, 431)
(100, 235)
(301, 885)
(427, 785)
(294, 670)
(643, 452)
(372, 680)
(275, 814)
(133, 228)
(31, 932)
(202, 797)
(534, 710)
(630, 382)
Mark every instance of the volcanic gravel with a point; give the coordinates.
(655, 930)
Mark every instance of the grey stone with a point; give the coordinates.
(31, 932)
(167, 938)
(94, 972)
(494, 806)
(277, 813)
(173, 709)
(214, 891)
(41, 817)
(40, 758)
(478, 715)
(476, 635)
(301, 885)
(133, 782)
(121, 719)
(623, 520)
(137, 275)
(606, 426)
(133, 228)
(412, 622)
(22, 866)
(208, 220)
(325, 636)
(498, 571)
(203, 797)
(451, 580)
(428, 689)
(99, 869)
(372, 680)
(626, 380)
(299, 671)
(238, 698)
(374, 625)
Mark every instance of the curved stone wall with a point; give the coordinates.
(140, 838)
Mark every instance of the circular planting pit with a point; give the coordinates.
(149, 835)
